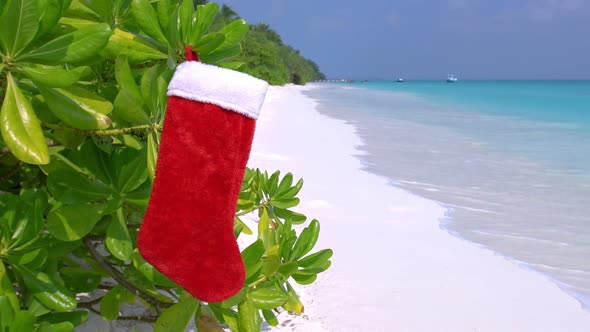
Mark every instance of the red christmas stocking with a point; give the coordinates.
(187, 233)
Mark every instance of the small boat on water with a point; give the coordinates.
(452, 79)
(400, 79)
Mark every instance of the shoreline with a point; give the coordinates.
(395, 267)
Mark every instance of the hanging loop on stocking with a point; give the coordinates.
(190, 54)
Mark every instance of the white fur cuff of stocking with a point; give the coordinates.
(230, 89)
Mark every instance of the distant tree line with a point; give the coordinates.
(267, 57)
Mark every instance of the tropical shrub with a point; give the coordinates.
(267, 57)
(83, 89)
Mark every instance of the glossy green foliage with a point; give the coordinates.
(267, 57)
(83, 90)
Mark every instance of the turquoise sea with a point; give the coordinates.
(509, 159)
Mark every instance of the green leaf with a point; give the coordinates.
(128, 166)
(149, 271)
(135, 48)
(6, 314)
(253, 253)
(37, 309)
(102, 8)
(285, 184)
(129, 109)
(316, 259)
(46, 291)
(267, 298)
(232, 65)
(173, 33)
(73, 222)
(19, 24)
(6, 288)
(28, 228)
(304, 279)
(82, 10)
(20, 127)
(177, 317)
(26, 258)
(139, 280)
(203, 17)
(131, 141)
(71, 187)
(293, 190)
(293, 304)
(225, 315)
(306, 240)
(206, 323)
(286, 270)
(111, 302)
(285, 203)
(149, 88)
(78, 107)
(118, 240)
(74, 47)
(92, 160)
(294, 217)
(271, 264)
(270, 317)
(234, 32)
(147, 19)
(77, 24)
(272, 184)
(50, 11)
(162, 89)
(125, 78)
(165, 10)
(55, 77)
(60, 327)
(234, 300)
(23, 321)
(245, 229)
(314, 233)
(248, 317)
(77, 318)
(318, 268)
(263, 224)
(209, 43)
(152, 155)
(80, 280)
(140, 196)
(185, 14)
(221, 55)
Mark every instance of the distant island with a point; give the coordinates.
(267, 57)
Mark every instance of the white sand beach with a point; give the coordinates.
(394, 268)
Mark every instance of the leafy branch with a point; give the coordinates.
(154, 302)
(135, 130)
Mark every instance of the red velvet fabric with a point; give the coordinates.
(187, 232)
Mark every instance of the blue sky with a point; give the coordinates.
(473, 39)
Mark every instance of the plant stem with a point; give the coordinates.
(138, 318)
(90, 303)
(107, 132)
(89, 306)
(252, 209)
(157, 304)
